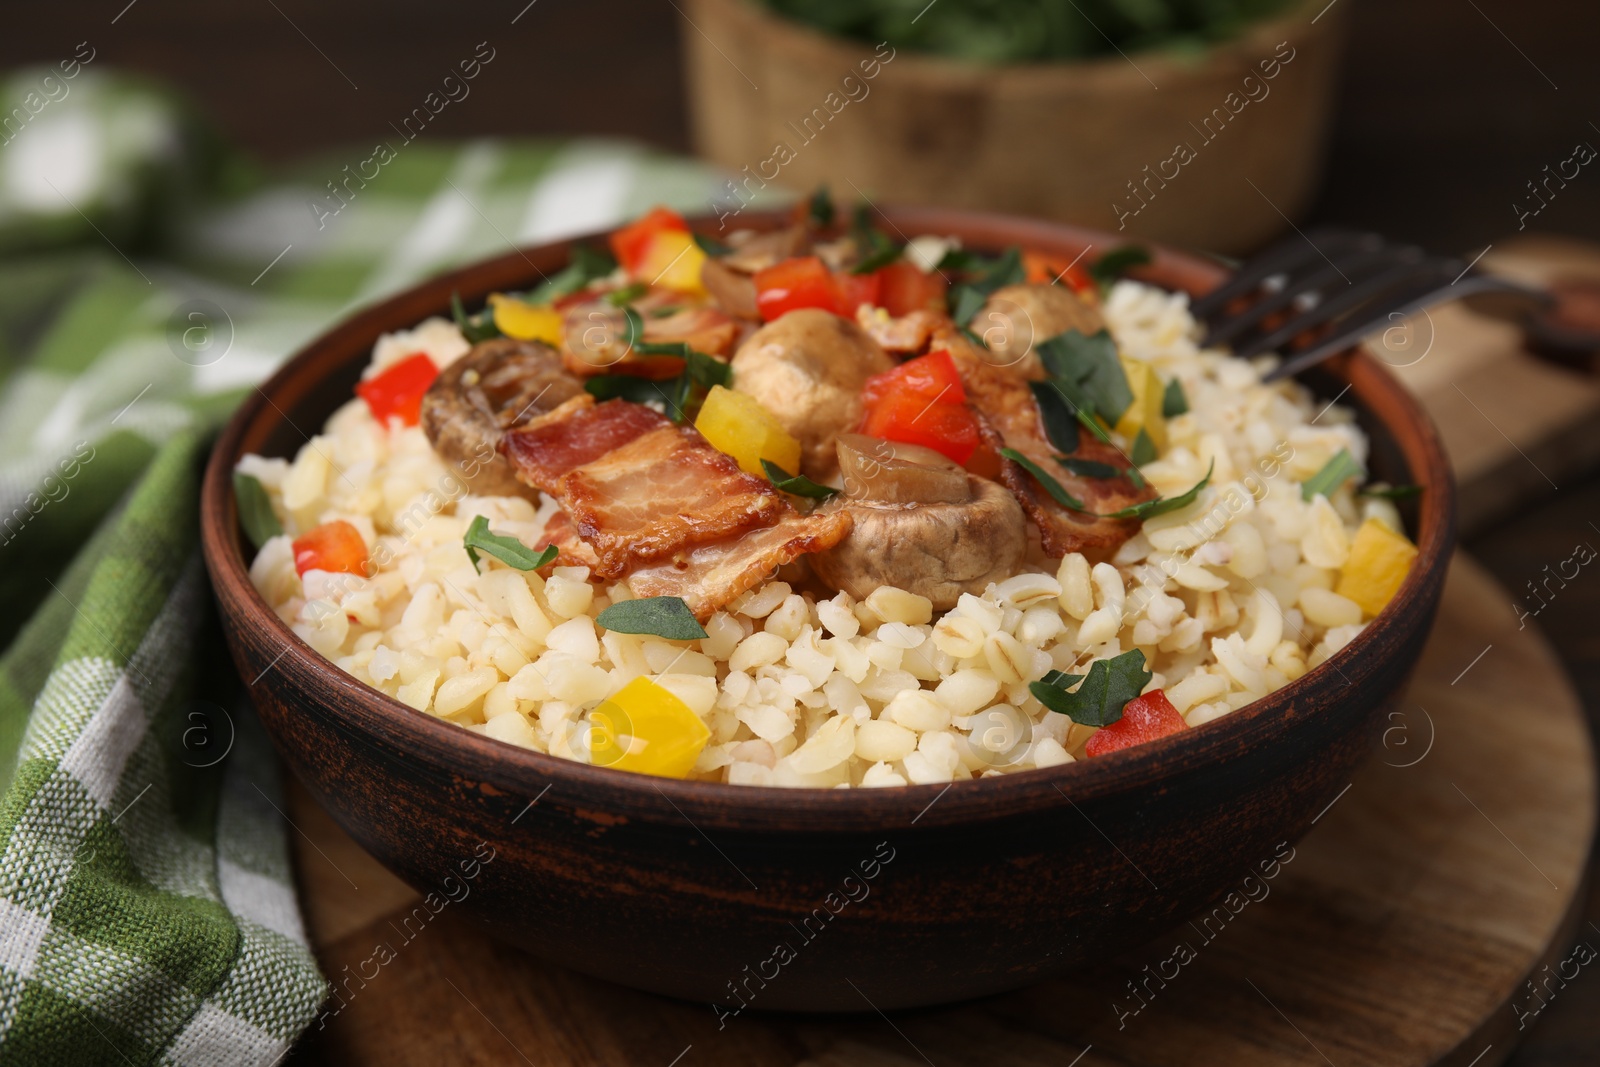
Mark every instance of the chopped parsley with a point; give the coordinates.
(627, 294)
(1144, 449)
(968, 297)
(1057, 414)
(1391, 492)
(711, 246)
(819, 209)
(1089, 371)
(660, 616)
(1333, 474)
(1174, 401)
(256, 516)
(796, 484)
(1149, 509)
(1045, 479)
(507, 550)
(700, 371)
(474, 328)
(1117, 262)
(585, 265)
(1106, 689)
(1088, 468)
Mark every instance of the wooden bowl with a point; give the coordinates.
(1198, 149)
(817, 900)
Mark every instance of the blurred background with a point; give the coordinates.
(1443, 109)
(1434, 121)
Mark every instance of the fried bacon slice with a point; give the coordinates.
(637, 488)
(709, 577)
(573, 551)
(580, 432)
(662, 492)
(1002, 396)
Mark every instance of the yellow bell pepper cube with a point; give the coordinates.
(672, 259)
(524, 321)
(646, 729)
(737, 424)
(1145, 411)
(1379, 561)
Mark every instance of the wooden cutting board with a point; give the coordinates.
(1517, 427)
(1399, 933)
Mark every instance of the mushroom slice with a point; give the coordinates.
(891, 472)
(501, 384)
(808, 368)
(964, 533)
(758, 251)
(1016, 318)
(731, 290)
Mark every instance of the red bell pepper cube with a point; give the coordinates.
(1144, 718)
(630, 243)
(800, 282)
(397, 391)
(333, 546)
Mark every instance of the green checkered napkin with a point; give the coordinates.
(147, 913)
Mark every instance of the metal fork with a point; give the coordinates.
(1314, 295)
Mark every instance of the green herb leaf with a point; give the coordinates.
(711, 246)
(1091, 371)
(1117, 262)
(662, 616)
(1144, 449)
(1333, 474)
(627, 294)
(1088, 468)
(707, 370)
(797, 484)
(1149, 509)
(819, 210)
(1135, 477)
(702, 368)
(965, 303)
(584, 266)
(1174, 402)
(1058, 415)
(634, 388)
(960, 259)
(255, 509)
(886, 253)
(474, 328)
(507, 550)
(1045, 479)
(1391, 492)
(967, 298)
(974, 338)
(1105, 691)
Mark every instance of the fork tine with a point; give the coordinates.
(1351, 302)
(1408, 302)
(1360, 264)
(1276, 260)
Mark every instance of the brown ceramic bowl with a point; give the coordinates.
(819, 900)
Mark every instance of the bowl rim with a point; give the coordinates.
(499, 766)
